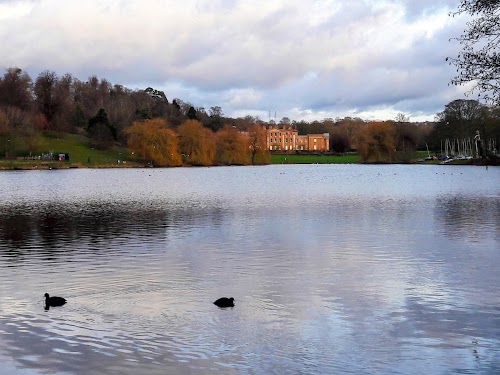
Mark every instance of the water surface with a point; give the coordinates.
(334, 268)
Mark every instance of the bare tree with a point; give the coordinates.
(401, 117)
(479, 61)
(45, 93)
(15, 89)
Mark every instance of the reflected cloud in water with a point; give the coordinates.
(339, 274)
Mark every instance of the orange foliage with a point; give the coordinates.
(232, 147)
(376, 142)
(152, 139)
(197, 144)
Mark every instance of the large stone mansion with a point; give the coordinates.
(287, 138)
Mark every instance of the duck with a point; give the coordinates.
(225, 302)
(53, 301)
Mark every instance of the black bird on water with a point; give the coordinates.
(53, 301)
(225, 302)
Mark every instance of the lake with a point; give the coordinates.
(363, 269)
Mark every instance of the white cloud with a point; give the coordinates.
(329, 57)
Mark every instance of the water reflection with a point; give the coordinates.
(51, 228)
(327, 279)
(38, 344)
(472, 218)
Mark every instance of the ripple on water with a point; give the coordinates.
(358, 270)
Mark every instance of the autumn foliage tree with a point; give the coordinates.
(259, 154)
(197, 144)
(155, 141)
(232, 147)
(376, 142)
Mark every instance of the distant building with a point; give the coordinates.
(287, 138)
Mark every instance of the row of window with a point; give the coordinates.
(286, 140)
(300, 148)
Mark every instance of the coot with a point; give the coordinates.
(225, 302)
(53, 301)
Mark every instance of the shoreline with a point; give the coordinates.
(26, 166)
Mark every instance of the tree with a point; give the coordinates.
(460, 118)
(93, 95)
(197, 144)
(202, 116)
(160, 106)
(4, 134)
(401, 117)
(285, 121)
(216, 119)
(100, 130)
(349, 126)
(45, 93)
(15, 89)
(479, 61)
(174, 114)
(191, 113)
(376, 142)
(121, 109)
(258, 150)
(63, 96)
(156, 94)
(216, 111)
(4, 123)
(232, 147)
(153, 140)
(339, 141)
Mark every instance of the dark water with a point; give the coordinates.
(335, 269)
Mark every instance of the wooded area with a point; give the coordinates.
(176, 133)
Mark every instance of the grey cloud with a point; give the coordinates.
(325, 56)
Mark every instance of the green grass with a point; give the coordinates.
(79, 151)
(77, 146)
(314, 159)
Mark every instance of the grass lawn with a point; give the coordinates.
(314, 159)
(79, 151)
(80, 154)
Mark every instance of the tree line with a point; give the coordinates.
(193, 144)
(178, 133)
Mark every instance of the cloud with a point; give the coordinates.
(327, 57)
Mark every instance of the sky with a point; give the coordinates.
(305, 60)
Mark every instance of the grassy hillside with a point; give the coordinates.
(77, 146)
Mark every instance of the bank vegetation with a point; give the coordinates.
(144, 127)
